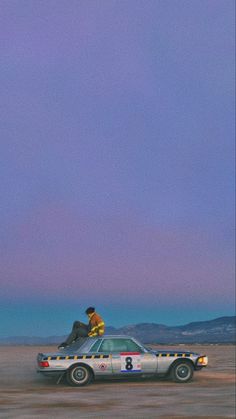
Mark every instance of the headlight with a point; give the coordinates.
(202, 361)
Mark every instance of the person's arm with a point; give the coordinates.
(101, 328)
(98, 329)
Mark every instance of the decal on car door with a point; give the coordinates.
(130, 361)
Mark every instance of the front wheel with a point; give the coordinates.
(182, 372)
(79, 375)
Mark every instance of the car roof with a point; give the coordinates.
(84, 344)
(115, 337)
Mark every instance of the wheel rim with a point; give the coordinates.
(183, 372)
(79, 375)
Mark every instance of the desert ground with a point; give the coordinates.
(26, 394)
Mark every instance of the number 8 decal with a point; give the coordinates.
(130, 362)
(129, 365)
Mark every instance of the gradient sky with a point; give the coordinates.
(117, 162)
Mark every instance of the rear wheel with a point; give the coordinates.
(182, 372)
(79, 375)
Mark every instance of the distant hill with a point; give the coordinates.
(220, 330)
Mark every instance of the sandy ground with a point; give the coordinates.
(26, 394)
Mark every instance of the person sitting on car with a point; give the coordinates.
(95, 327)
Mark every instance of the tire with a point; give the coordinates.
(182, 372)
(79, 375)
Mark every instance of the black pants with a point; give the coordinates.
(79, 330)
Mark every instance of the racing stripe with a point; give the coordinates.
(76, 357)
(183, 355)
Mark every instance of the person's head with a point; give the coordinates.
(90, 311)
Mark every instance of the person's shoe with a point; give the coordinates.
(63, 345)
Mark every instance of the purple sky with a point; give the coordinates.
(117, 161)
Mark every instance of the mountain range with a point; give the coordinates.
(220, 330)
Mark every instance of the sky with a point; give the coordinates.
(117, 162)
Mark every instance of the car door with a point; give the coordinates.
(127, 357)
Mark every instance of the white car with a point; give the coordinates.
(118, 356)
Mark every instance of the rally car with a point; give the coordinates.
(117, 356)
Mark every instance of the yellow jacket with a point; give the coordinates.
(96, 325)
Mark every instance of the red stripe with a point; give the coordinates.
(130, 353)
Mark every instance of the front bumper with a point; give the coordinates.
(201, 362)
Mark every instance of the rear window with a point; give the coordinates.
(94, 347)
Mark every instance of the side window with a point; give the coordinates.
(119, 345)
(95, 346)
(107, 346)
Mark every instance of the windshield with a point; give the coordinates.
(148, 348)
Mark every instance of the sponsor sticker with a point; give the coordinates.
(102, 367)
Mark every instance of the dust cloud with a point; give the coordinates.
(26, 394)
